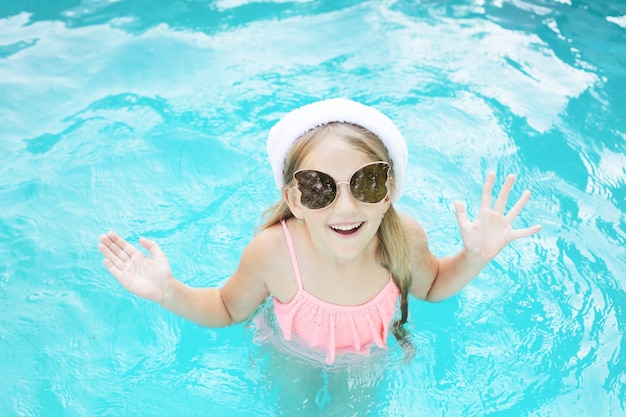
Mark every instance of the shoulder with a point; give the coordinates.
(418, 242)
(266, 245)
(254, 278)
(267, 258)
(424, 264)
(415, 232)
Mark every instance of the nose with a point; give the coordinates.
(345, 201)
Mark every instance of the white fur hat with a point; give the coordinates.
(296, 123)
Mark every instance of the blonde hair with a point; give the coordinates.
(393, 251)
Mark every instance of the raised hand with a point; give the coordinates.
(492, 229)
(141, 275)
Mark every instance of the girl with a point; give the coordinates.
(334, 254)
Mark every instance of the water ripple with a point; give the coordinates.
(152, 121)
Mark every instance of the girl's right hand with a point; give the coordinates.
(143, 276)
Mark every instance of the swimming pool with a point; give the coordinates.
(150, 118)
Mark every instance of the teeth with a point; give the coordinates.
(346, 227)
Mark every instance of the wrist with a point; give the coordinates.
(474, 258)
(169, 293)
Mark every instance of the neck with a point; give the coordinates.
(342, 259)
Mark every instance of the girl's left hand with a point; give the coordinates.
(492, 229)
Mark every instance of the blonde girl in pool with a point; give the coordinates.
(334, 254)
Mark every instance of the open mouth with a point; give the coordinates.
(346, 229)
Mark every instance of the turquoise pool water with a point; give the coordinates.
(150, 118)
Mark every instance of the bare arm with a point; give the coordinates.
(151, 278)
(483, 239)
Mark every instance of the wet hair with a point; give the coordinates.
(393, 249)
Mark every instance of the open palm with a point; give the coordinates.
(141, 275)
(492, 229)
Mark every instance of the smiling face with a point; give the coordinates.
(347, 228)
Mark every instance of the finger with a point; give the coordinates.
(118, 274)
(487, 190)
(112, 251)
(114, 270)
(503, 195)
(120, 246)
(521, 233)
(152, 247)
(122, 243)
(113, 258)
(104, 249)
(461, 213)
(517, 208)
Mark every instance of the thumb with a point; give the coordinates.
(461, 213)
(152, 247)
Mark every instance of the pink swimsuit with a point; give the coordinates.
(332, 327)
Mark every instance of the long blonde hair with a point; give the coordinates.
(393, 251)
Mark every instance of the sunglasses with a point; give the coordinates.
(318, 190)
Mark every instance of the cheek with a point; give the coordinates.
(377, 217)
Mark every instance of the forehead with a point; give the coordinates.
(335, 157)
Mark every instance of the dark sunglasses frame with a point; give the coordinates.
(315, 199)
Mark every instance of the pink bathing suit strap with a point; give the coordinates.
(292, 252)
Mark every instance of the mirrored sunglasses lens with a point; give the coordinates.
(368, 184)
(317, 189)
